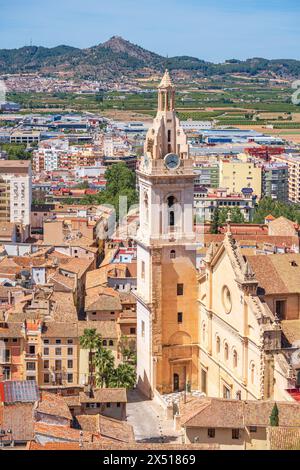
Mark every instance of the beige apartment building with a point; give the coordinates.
(44, 352)
(293, 164)
(238, 175)
(50, 352)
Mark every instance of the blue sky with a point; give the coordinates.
(209, 29)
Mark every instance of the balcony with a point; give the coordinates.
(5, 357)
(31, 356)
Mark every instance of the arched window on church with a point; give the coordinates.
(203, 332)
(171, 201)
(218, 344)
(171, 218)
(235, 358)
(172, 254)
(146, 206)
(226, 351)
(252, 372)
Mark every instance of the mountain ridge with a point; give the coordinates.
(117, 57)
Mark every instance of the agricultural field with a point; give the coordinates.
(232, 102)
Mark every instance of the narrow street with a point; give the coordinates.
(148, 420)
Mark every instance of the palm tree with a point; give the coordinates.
(90, 340)
(124, 376)
(105, 362)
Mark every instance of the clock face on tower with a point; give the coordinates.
(172, 161)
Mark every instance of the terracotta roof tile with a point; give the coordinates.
(19, 418)
(105, 395)
(54, 405)
(53, 329)
(115, 429)
(32, 445)
(11, 330)
(102, 299)
(65, 281)
(277, 274)
(291, 330)
(63, 432)
(221, 413)
(107, 329)
(282, 226)
(78, 266)
(281, 438)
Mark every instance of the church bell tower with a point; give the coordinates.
(167, 317)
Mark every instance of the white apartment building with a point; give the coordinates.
(206, 202)
(47, 157)
(115, 145)
(96, 171)
(15, 191)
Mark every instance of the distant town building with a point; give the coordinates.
(207, 200)
(237, 175)
(207, 174)
(293, 163)
(10, 107)
(25, 137)
(16, 189)
(275, 181)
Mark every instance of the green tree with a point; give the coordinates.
(119, 178)
(214, 227)
(277, 208)
(89, 199)
(104, 361)
(90, 340)
(83, 185)
(69, 201)
(236, 215)
(16, 151)
(120, 181)
(274, 417)
(99, 97)
(123, 376)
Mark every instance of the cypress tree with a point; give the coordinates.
(214, 228)
(274, 417)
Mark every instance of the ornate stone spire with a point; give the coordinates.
(166, 81)
(209, 254)
(228, 220)
(166, 135)
(277, 321)
(247, 271)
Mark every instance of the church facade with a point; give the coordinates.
(241, 353)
